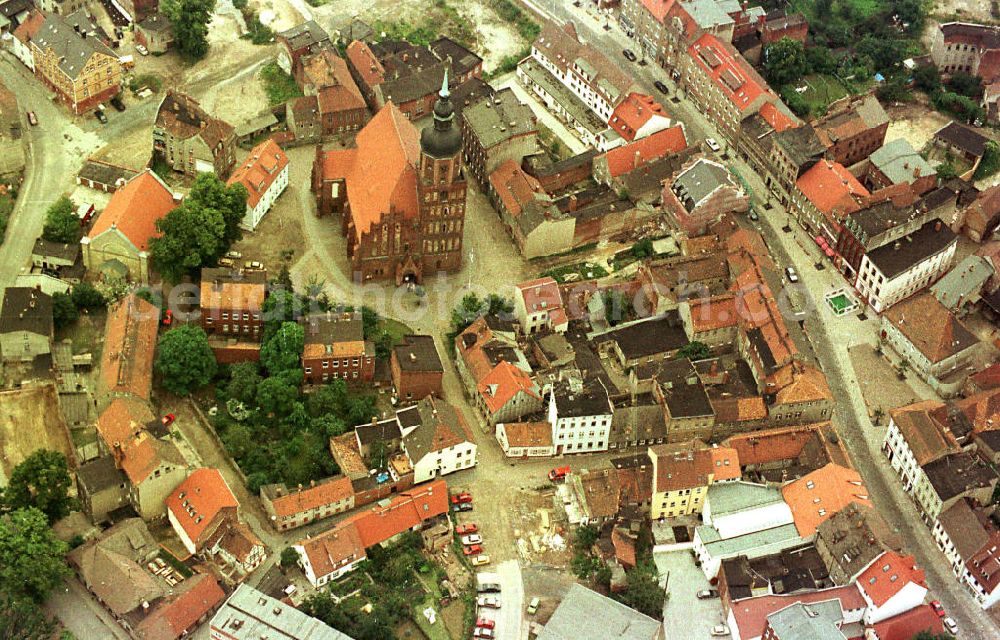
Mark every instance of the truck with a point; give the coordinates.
(558, 474)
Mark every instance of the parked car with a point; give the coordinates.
(705, 594)
(559, 473)
(32, 119)
(792, 275)
(465, 529)
(117, 103)
(168, 419)
(472, 550)
(479, 561)
(99, 114)
(465, 506)
(720, 631)
(142, 50)
(713, 145)
(489, 602)
(461, 498)
(483, 632)
(253, 265)
(472, 539)
(235, 255)
(226, 262)
(753, 214)
(938, 609)
(628, 55)
(951, 626)
(662, 88)
(168, 318)
(488, 587)
(533, 606)
(486, 624)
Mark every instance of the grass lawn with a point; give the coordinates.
(822, 90)
(395, 328)
(863, 8)
(86, 333)
(280, 86)
(436, 631)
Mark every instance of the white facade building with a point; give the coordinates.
(439, 443)
(264, 174)
(580, 418)
(892, 584)
(538, 305)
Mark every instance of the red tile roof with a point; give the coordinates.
(709, 314)
(751, 613)
(334, 548)
(129, 344)
(783, 444)
(515, 187)
(985, 565)
(832, 189)
(26, 31)
(197, 501)
(177, 615)
(680, 467)
(658, 8)
(816, 496)
(887, 576)
(365, 63)
(403, 513)
(332, 491)
(134, 209)
(633, 113)
(926, 438)
(539, 294)
(503, 383)
(260, 169)
(930, 327)
(627, 158)
(122, 420)
(528, 434)
(778, 119)
(381, 174)
(907, 625)
(730, 72)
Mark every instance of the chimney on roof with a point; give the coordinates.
(937, 225)
(413, 357)
(572, 202)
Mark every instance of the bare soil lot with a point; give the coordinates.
(914, 122)
(31, 420)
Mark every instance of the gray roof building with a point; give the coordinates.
(251, 615)
(900, 163)
(26, 309)
(733, 497)
(587, 615)
(439, 427)
(74, 38)
(498, 118)
(418, 353)
(813, 621)
(964, 283)
(699, 181)
(895, 258)
(306, 34)
(957, 474)
(853, 537)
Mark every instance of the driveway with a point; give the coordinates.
(682, 610)
(510, 616)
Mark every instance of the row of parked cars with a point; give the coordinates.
(472, 541)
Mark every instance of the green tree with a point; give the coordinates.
(278, 393)
(369, 321)
(61, 222)
(383, 344)
(927, 78)
(378, 455)
(794, 100)
(189, 19)
(243, 380)
(785, 62)
(472, 306)
(643, 593)
(642, 249)
(694, 350)
(185, 360)
(192, 237)
(399, 569)
(329, 399)
(966, 84)
(86, 296)
(360, 409)
(283, 350)
(329, 426)
(208, 192)
(21, 619)
(820, 59)
(41, 481)
(64, 312)
(990, 162)
(585, 537)
(32, 559)
(289, 557)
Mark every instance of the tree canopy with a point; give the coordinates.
(283, 350)
(22, 619)
(643, 593)
(785, 61)
(32, 559)
(200, 230)
(41, 481)
(189, 19)
(64, 312)
(185, 360)
(61, 222)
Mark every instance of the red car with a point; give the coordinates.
(473, 550)
(168, 318)
(465, 529)
(483, 623)
(168, 419)
(938, 609)
(461, 498)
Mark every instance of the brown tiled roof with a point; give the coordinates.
(197, 501)
(692, 464)
(178, 614)
(183, 117)
(260, 169)
(930, 327)
(600, 492)
(129, 344)
(135, 208)
(808, 385)
(783, 444)
(227, 289)
(528, 434)
(329, 491)
(365, 64)
(816, 496)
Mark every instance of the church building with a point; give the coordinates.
(400, 195)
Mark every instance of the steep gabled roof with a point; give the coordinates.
(627, 158)
(503, 383)
(930, 327)
(888, 575)
(197, 501)
(815, 497)
(260, 169)
(135, 208)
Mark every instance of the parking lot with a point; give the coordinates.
(509, 617)
(682, 609)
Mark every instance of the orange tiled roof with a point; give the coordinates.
(778, 119)
(816, 496)
(135, 208)
(758, 448)
(129, 344)
(404, 512)
(122, 420)
(683, 466)
(334, 548)
(709, 314)
(888, 575)
(726, 67)
(197, 501)
(231, 292)
(27, 29)
(381, 174)
(626, 158)
(528, 434)
(503, 383)
(982, 409)
(260, 169)
(515, 188)
(808, 385)
(475, 359)
(179, 614)
(832, 189)
(931, 327)
(142, 454)
(658, 8)
(926, 438)
(633, 113)
(365, 63)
